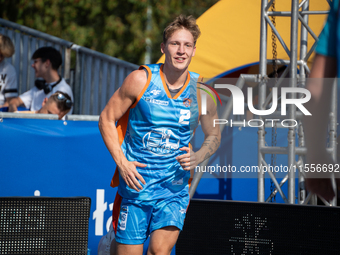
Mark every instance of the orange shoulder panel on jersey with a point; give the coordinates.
(145, 86)
(121, 130)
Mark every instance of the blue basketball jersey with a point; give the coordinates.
(153, 130)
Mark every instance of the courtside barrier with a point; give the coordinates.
(44, 225)
(230, 227)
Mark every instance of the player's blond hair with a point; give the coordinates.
(187, 22)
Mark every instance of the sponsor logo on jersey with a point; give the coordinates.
(160, 142)
(155, 92)
(187, 102)
(156, 101)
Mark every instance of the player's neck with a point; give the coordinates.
(174, 79)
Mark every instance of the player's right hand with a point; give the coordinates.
(131, 176)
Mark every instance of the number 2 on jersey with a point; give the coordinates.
(185, 117)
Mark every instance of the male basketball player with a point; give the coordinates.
(157, 109)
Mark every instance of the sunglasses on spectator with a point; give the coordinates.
(68, 102)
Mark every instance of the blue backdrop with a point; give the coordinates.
(62, 159)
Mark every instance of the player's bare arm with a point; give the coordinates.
(321, 91)
(316, 135)
(119, 103)
(211, 142)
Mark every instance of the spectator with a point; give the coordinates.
(46, 61)
(59, 103)
(8, 78)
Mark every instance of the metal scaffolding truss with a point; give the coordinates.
(297, 70)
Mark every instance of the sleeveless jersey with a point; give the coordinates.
(153, 130)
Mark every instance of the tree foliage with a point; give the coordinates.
(114, 27)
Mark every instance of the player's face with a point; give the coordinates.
(179, 49)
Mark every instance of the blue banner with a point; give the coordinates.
(55, 158)
(58, 159)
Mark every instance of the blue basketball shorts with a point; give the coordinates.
(134, 220)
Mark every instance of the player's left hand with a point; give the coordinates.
(188, 160)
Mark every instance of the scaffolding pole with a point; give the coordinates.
(299, 12)
(298, 70)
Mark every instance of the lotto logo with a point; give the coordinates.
(155, 92)
(123, 217)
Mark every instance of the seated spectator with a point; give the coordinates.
(8, 77)
(58, 103)
(46, 61)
